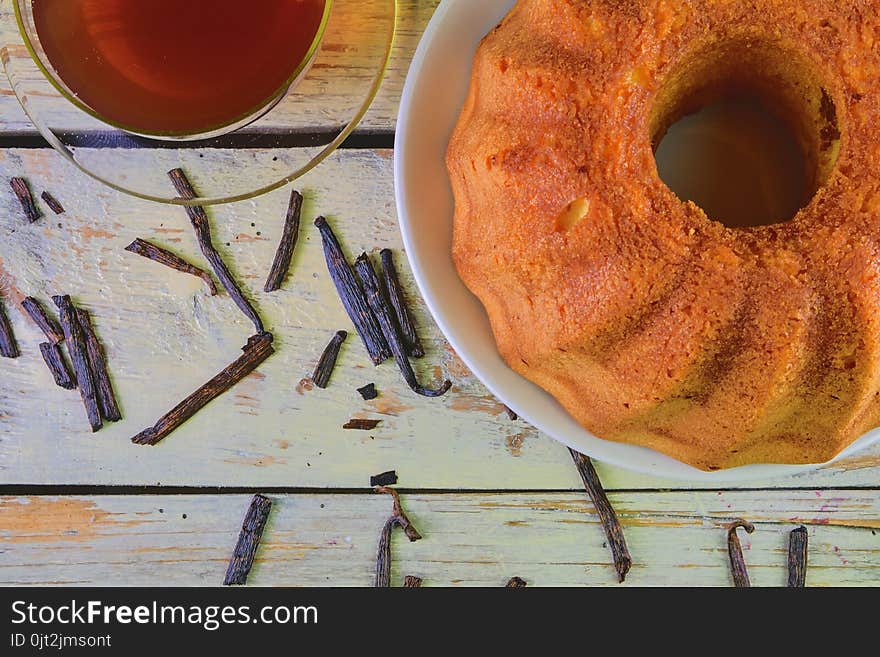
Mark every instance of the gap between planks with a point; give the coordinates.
(15, 490)
(367, 140)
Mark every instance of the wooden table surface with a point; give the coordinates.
(493, 497)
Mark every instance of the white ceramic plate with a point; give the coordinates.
(432, 98)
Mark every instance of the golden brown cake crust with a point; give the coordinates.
(649, 322)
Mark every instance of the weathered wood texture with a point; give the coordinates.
(164, 335)
(382, 116)
(676, 538)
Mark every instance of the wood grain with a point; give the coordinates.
(382, 116)
(676, 538)
(164, 334)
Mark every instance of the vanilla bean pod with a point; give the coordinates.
(41, 318)
(797, 557)
(54, 360)
(76, 345)
(52, 202)
(390, 330)
(368, 392)
(613, 530)
(327, 362)
(199, 220)
(284, 254)
(383, 554)
(165, 257)
(384, 479)
(352, 296)
(98, 364)
(257, 350)
(23, 194)
(8, 344)
(394, 292)
(248, 541)
(51, 351)
(738, 569)
(361, 424)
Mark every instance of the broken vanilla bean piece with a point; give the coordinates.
(76, 345)
(52, 202)
(384, 479)
(738, 569)
(352, 296)
(383, 554)
(516, 583)
(613, 530)
(324, 368)
(98, 364)
(53, 356)
(368, 392)
(54, 360)
(24, 196)
(199, 220)
(155, 253)
(394, 292)
(361, 425)
(412, 582)
(390, 330)
(258, 349)
(281, 263)
(248, 541)
(41, 318)
(797, 557)
(8, 344)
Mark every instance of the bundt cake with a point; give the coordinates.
(650, 322)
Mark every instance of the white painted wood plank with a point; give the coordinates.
(382, 116)
(469, 539)
(165, 336)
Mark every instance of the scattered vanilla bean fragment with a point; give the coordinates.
(352, 296)
(613, 530)
(257, 350)
(511, 413)
(383, 554)
(327, 362)
(156, 253)
(8, 344)
(361, 425)
(23, 193)
(516, 583)
(52, 202)
(76, 345)
(368, 392)
(384, 479)
(248, 541)
(199, 220)
(51, 351)
(738, 569)
(281, 263)
(390, 330)
(797, 557)
(41, 318)
(394, 291)
(412, 582)
(54, 359)
(98, 365)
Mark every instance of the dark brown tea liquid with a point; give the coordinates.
(176, 67)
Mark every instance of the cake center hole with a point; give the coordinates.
(738, 161)
(746, 130)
